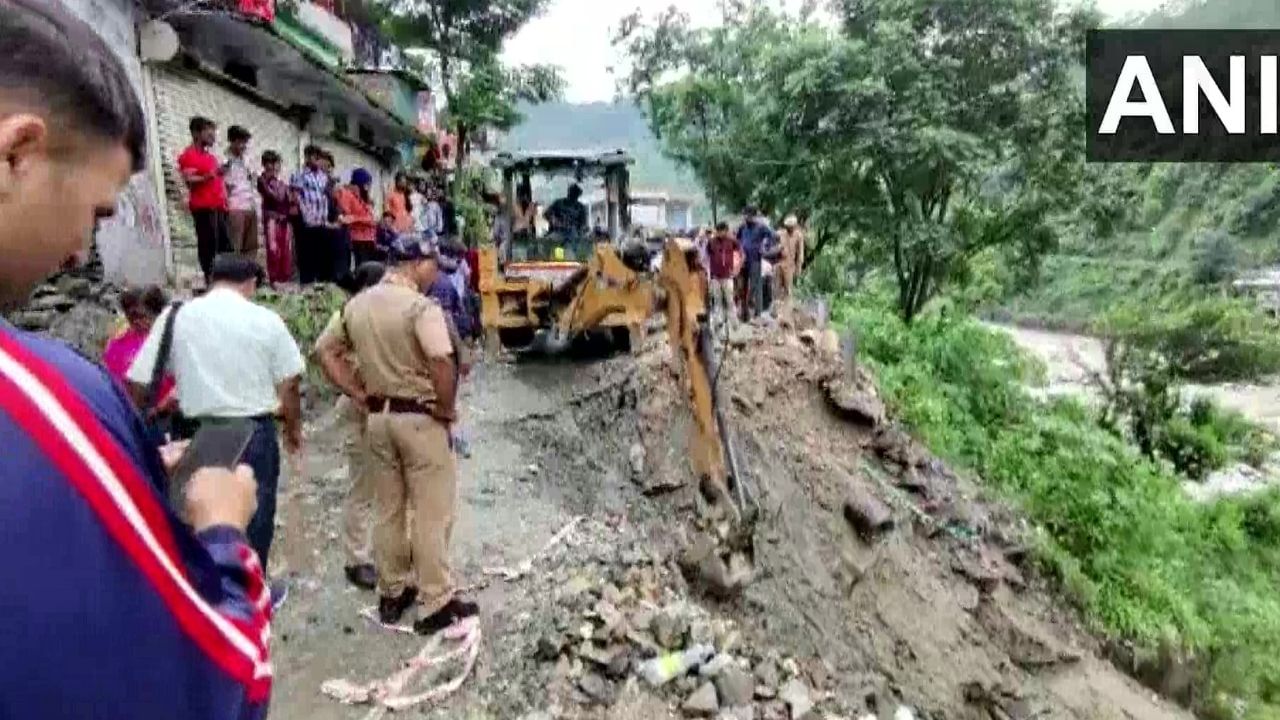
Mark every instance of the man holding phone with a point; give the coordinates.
(113, 605)
(234, 360)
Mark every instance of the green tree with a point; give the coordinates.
(924, 132)
(465, 38)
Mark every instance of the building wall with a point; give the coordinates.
(180, 95)
(131, 244)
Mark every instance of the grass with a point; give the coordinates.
(1141, 561)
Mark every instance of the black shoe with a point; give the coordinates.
(362, 576)
(391, 609)
(452, 612)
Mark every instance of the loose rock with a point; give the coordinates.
(703, 702)
(797, 698)
(597, 689)
(766, 673)
(868, 515)
(735, 686)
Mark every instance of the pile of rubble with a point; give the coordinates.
(77, 307)
(636, 638)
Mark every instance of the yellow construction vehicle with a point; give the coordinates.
(566, 283)
(571, 286)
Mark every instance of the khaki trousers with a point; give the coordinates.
(358, 507)
(786, 280)
(410, 465)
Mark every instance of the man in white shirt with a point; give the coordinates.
(235, 360)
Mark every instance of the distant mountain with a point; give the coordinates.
(602, 126)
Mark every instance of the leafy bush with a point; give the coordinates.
(1142, 561)
(1203, 339)
(1195, 451)
(306, 312)
(1216, 258)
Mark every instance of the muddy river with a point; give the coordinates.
(1070, 358)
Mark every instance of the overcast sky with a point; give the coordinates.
(575, 34)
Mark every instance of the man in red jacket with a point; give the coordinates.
(114, 607)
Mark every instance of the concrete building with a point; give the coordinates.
(292, 74)
(653, 210)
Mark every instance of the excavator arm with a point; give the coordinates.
(609, 288)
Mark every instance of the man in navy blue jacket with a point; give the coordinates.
(112, 607)
(754, 237)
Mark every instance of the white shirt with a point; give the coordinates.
(228, 356)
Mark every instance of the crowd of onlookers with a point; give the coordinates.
(750, 268)
(311, 227)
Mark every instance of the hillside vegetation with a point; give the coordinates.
(1156, 228)
(603, 126)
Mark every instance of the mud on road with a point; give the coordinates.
(932, 612)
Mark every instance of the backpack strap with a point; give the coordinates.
(162, 358)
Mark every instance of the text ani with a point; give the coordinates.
(1197, 83)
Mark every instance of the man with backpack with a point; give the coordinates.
(233, 359)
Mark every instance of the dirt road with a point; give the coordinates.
(505, 510)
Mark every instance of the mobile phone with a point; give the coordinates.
(221, 445)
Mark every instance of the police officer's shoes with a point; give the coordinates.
(452, 612)
(362, 576)
(391, 608)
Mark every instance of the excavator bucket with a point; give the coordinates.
(712, 448)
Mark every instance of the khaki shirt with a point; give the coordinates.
(392, 330)
(792, 247)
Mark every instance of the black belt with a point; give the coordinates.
(398, 405)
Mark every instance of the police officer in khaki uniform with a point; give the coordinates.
(358, 506)
(408, 379)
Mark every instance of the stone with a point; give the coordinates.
(854, 403)
(865, 512)
(742, 712)
(904, 713)
(621, 663)
(55, 301)
(669, 628)
(735, 686)
(701, 633)
(597, 689)
(35, 319)
(547, 649)
(700, 547)
(715, 666)
(797, 697)
(766, 673)
(75, 287)
(615, 623)
(637, 457)
(703, 702)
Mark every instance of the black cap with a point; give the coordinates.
(408, 248)
(234, 268)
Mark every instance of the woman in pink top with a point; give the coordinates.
(141, 307)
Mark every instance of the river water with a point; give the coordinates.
(1070, 360)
